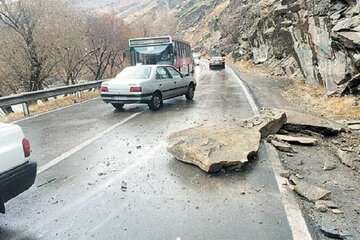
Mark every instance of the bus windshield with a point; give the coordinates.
(161, 54)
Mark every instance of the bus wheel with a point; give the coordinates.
(190, 93)
(156, 102)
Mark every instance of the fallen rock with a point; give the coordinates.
(327, 203)
(337, 211)
(295, 140)
(350, 159)
(354, 127)
(282, 146)
(311, 192)
(298, 122)
(320, 207)
(329, 165)
(353, 122)
(333, 233)
(213, 148)
(285, 174)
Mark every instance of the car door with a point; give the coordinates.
(166, 85)
(180, 83)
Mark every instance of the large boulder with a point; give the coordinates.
(213, 148)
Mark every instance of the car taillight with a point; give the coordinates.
(26, 147)
(104, 89)
(135, 89)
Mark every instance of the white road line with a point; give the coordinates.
(83, 145)
(54, 110)
(294, 215)
(248, 95)
(295, 218)
(93, 193)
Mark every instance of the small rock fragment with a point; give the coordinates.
(329, 165)
(123, 186)
(299, 176)
(320, 207)
(349, 158)
(311, 192)
(282, 146)
(355, 127)
(328, 203)
(332, 233)
(296, 140)
(337, 211)
(285, 174)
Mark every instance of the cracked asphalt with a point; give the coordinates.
(124, 184)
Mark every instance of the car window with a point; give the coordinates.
(175, 74)
(136, 72)
(161, 73)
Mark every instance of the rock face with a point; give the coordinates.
(317, 40)
(212, 148)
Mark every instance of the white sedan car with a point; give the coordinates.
(148, 84)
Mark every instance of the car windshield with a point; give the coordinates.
(137, 72)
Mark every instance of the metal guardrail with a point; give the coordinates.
(25, 98)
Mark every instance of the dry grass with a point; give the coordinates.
(310, 98)
(51, 105)
(314, 99)
(249, 67)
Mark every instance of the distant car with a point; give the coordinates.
(148, 84)
(17, 172)
(217, 62)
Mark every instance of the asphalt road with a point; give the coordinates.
(107, 175)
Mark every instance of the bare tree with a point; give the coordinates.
(22, 21)
(107, 37)
(72, 50)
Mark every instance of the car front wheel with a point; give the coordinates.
(156, 102)
(190, 93)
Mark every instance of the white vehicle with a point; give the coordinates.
(149, 84)
(196, 57)
(17, 172)
(217, 62)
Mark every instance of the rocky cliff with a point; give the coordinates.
(318, 40)
(315, 40)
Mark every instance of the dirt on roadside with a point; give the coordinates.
(311, 164)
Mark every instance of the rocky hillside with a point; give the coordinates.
(314, 39)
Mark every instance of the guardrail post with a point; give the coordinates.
(26, 109)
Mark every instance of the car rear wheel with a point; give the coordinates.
(118, 106)
(156, 102)
(190, 93)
